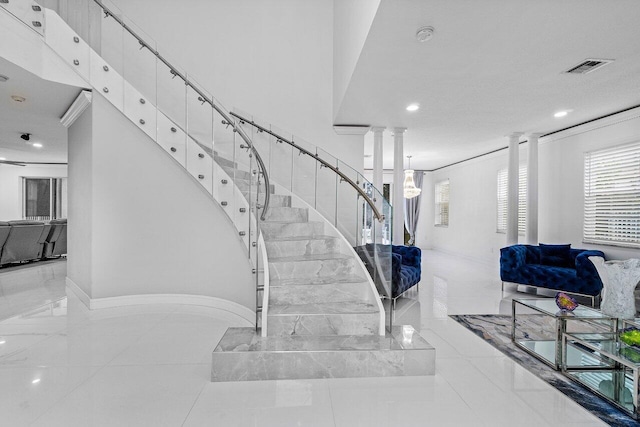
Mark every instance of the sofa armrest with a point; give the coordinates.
(411, 255)
(513, 256)
(585, 270)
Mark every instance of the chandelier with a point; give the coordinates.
(410, 189)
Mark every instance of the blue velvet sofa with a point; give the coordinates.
(556, 267)
(405, 268)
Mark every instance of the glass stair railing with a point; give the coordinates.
(343, 196)
(171, 108)
(247, 163)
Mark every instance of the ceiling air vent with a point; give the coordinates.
(589, 65)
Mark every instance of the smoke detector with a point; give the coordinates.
(18, 98)
(424, 33)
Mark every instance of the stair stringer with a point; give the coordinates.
(345, 248)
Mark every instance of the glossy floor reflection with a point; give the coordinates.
(63, 365)
(27, 286)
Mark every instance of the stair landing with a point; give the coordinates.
(243, 355)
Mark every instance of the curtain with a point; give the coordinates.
(412, 209)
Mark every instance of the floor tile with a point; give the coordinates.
(131, 396)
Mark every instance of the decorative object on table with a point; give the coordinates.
(619, 279)
(565, 302)
(630, 336)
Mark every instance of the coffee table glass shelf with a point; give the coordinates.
(538, 324)
(605, 366)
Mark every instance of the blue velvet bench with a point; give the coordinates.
(405, 268)
(557, 267)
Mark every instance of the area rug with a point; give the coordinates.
(496, 330)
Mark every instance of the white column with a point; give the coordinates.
(398, 181)
(512, 188)
(377, 157)
(532, 189)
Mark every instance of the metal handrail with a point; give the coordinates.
(371, 203)
(201, 97)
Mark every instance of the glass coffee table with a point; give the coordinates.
(537, 326)
(605, 366)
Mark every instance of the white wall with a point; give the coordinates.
(80, 185)
(352, 21)
(11, 185)
(472, 217)
(152, 228)
(271, 58)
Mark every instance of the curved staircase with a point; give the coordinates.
(321, 315)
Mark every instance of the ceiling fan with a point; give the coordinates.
(11, 162)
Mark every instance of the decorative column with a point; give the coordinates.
(512, 188)
(398, 181)
(532, 189)
(377, 157)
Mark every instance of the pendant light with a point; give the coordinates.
(410, 189)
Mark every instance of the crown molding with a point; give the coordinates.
(78, 106)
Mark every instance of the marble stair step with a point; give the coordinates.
(327, 292)
(318, 324)
(243, 355)
(245, 186)
(302, 246)
(234, 171)
(278, 230)
(275, 200)
(311, 266)
(322, 308)
(317, 281)
(287, 214)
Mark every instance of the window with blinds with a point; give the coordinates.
(612, 196)
(503, 178)
(442, 203)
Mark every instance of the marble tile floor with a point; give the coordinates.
(63, 365)
(27, 286)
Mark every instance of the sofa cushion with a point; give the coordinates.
(555, 255)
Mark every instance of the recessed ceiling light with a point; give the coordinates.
(413, 107)
(18, 98)
(2, 158)
(36, 381)
(37, 145)
(3, 78)
(560, 114)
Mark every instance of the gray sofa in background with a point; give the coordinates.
(24, 240)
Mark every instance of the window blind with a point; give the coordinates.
(442, 202)
(503, 179)
(612, 196)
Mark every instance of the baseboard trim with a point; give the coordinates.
(128, 300)
(77, 291)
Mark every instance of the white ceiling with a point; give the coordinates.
(493, 67)
(39, 115)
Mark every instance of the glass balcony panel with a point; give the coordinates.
(68, 45)
(139, 73)
(199, 150)
(28, 12)
(281, 159)
(326, 187)
(171, 93)
(304, 171)
(224, 171)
